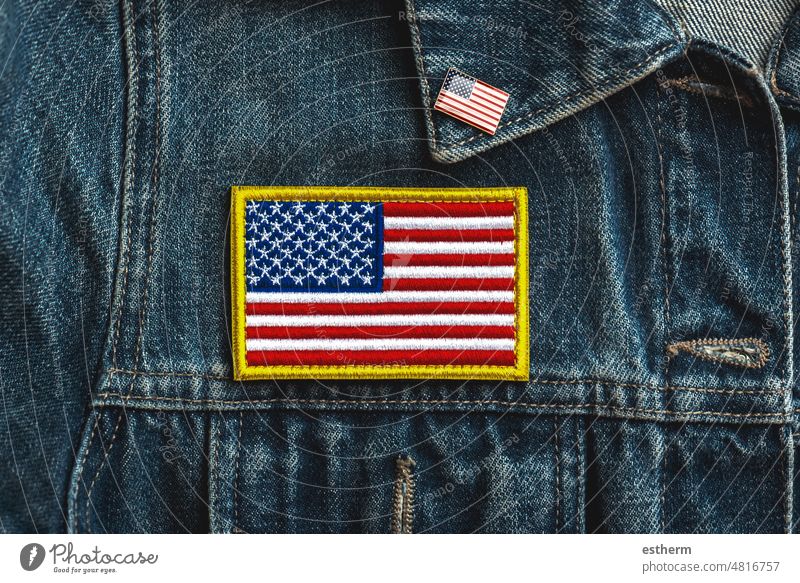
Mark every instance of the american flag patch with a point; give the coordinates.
(350, 282)
(471, 100)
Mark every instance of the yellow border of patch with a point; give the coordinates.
(241, 371)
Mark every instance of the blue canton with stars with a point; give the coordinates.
(459, 83)
(313, 246)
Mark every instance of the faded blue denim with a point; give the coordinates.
(663, 181)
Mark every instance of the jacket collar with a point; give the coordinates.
(553, 58)
(783, 68)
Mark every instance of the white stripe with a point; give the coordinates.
(382, 344)
(385, 320)
(486, 103)
(490, 94)
(447, 272)
(468, 109)
(406, 248)
(378, 297)
(502, 222)
(466, 117)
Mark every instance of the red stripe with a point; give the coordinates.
(321, 332)
(496, 110)
(460, 284)
(466, 259)
(474, 105)
(348, 357)
(447, 209)
(468, 120)
(466, 109)
(337, 309)
(490, 93)
(470, 111)
(482, 100)
(482, 84)
(486, 88)
(448, 235)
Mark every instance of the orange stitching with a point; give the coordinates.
(236, 474)
(720, 391)
(416, 39)
(150, 248)
(558, 473)
(127, 187)
(439, 402)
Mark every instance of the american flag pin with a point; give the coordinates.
(358, 282)
(471, 100)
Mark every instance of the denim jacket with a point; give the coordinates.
(662, 176)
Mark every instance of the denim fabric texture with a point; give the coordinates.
(663, 174)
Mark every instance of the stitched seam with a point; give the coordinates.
(236, 475)
(664, 485)
(558, 474)
(719, 391)
(403, 497)
(787, 491)
(786, 253)
(129, 34)
(662, 181)
(578, 94)
(216, 468)
(793, 214)
(408, 505)
(154, 17)
(580, 477)
(130, 140)
(690, 346)
(440, 402)
(416, 39)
